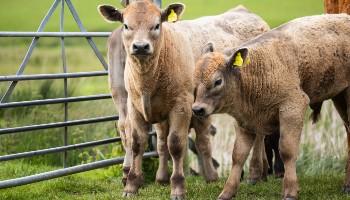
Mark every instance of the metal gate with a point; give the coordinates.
(14, 79)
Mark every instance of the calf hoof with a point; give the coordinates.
(223, 198)
(177, 197)
(346, 189)
(253, 181)
(226, 196)
(128, 194)
(290, 198)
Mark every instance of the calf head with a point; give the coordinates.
(142, 25)
(216, 78)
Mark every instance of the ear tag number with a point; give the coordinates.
(172, 17)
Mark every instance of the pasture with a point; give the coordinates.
(322, 153)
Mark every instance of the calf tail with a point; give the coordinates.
(316, 111)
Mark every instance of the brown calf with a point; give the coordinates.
(158, 79)
(268, 82)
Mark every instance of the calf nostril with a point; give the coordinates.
(135, 47)
(198, 111)
(146, 47)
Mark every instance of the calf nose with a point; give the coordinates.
(141, 47)
(199, 111)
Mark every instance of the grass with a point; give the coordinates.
(322, 150)
(23, 17)
(102, 184)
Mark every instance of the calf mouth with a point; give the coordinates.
(141, 53)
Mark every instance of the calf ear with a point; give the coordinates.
(173, 12)
(238, 59)
(207, 48)
(110, 13)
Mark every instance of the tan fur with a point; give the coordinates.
(160, 87)
(305, 61)
(337, 6)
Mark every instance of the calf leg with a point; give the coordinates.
(122, 124)
(256, 168)
(243, 144)
(269, 153)
(162, 130)
(139, 131)
(265, 164)
(278, 164)
(179, 123)
(342, 104)
(273, 155)
(116, 66)
(202, 128)
(291, 117)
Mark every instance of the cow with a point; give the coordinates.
(158, 77)
(268, 82)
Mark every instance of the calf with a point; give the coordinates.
(160, 60)
(268, 82)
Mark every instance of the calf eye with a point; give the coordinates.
(156, 27)
(217, 82)
(126, 27)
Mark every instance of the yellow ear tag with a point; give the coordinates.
(172, 17)
(238, 60)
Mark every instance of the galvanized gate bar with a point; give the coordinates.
(54, 34)
(52, 76)
(54, 101)
(65, 84)
(58, 149)
(82, 29)
(29, 51)
(66, 171)
(62, 148)
(57, 124)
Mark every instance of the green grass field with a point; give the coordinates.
(26, 15)
(322, 151)
(101, 184)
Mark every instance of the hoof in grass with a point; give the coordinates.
(128, 194)
(290, 198)
(252, 181)
(346, 189)
(177, 197)
(225, 197)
